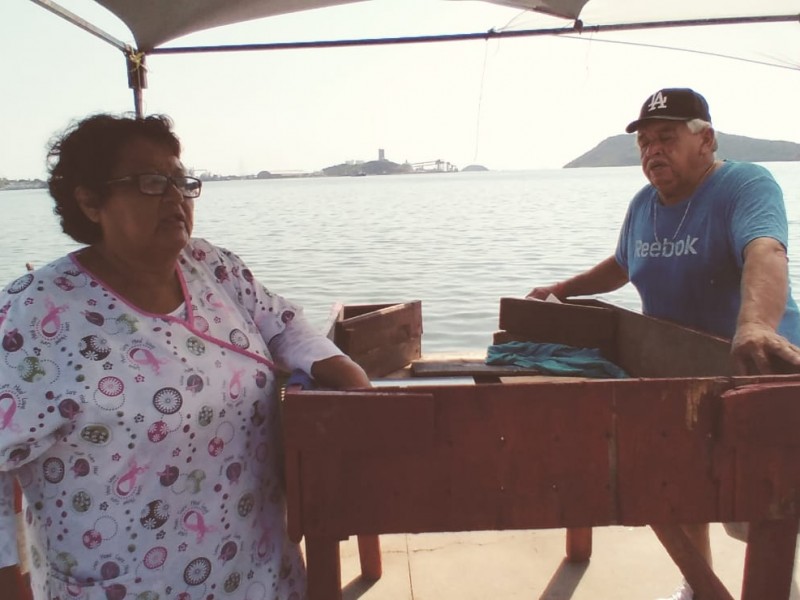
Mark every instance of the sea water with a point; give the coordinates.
(456, 241)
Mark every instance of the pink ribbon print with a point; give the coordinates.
(235, 385)
(127, 483)
(195, 522)
(51, 323)
(145, 358)
(8, 407)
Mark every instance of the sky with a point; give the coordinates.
(522, 103)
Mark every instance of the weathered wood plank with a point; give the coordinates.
(386, 325)
(324, 568)
(769, 559)
(579, 544)
(745, 406)
(351, 311)
(517, 379)
(369, 555)
(381, 361)
(497, 457)
(653, 348)
(765, 479)
(460, 367)
(665, 439)
(294, 495)
(394, 421)
(540, 455)
(705, 584)
(544, 455)
(567, 323)
(382, 338)
(485, 457)
(643, 346)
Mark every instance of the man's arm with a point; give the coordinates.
(764, 289)
(605, 276)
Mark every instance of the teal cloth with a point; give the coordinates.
(554, 359)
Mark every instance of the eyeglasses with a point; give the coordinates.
(156, 184)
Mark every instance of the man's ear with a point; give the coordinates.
(89, 203)
(708, 139)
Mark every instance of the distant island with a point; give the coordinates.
(352, 168)
(620, 151)
(21, 184)
(372, 167)
(615, 151)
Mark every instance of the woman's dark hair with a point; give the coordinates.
(86, 153)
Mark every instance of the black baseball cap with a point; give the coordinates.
(672, 104)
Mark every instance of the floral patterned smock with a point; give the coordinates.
(148, 446)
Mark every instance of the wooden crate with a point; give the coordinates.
(643, 346)
(382, 338)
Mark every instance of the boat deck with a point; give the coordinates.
(628, 563)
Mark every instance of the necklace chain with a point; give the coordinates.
(685, 212)
(678, 228)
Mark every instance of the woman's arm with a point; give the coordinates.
(339, 373)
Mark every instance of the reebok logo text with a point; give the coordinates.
(666, 248)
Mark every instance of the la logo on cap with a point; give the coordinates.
(657, 101)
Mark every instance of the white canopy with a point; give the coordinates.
(154, 22)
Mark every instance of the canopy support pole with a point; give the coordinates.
(578, 27)
(137, 78)
(70, 16)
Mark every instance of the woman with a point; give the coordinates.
(138, 404)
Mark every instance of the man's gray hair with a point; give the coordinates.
(698, 125)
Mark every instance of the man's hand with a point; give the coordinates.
(605, 276)
(542, 293)
(757, 349)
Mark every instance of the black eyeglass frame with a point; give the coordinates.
(179, 182)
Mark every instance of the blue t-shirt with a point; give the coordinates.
(686, 260)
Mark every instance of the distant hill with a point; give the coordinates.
(620, 151)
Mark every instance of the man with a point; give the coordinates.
(705, 245)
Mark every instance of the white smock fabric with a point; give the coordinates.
(148, 446)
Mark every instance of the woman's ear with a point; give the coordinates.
(89, 203)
